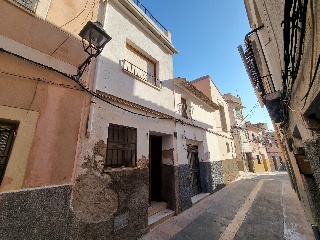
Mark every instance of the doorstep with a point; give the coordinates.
(197, 198)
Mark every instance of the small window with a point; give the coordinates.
(121, 146)
(140, 66)
(259, 159)
(228, 147)
(7, 134)
(238, 113)
(184, 108)
(223, 118)
(30, 5)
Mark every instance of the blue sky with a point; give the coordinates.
(206, 34)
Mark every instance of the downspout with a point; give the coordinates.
(102, 13)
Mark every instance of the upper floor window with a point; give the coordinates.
(184, 108)
(30, 5)
(121, 146)
(140, 66)
(228, 147)
(239, 114)
(259, 159)
(7, 134)
(223, 120)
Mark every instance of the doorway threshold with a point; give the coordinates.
(197, 198)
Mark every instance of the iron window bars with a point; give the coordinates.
(121, 146)
(132, 69)
(7, 134)
(294, 24)
(30, 5)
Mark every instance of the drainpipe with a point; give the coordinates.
(102, 14)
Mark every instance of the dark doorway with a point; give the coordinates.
(249, 161)
(155, 168)
(274, 159)
(193, 160)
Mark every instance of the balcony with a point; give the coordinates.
(255, 62)
(30, 5)
(153, 19)
(140, 74)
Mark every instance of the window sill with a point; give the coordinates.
(142, 80)
(119, 169)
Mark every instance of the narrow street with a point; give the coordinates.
(257, 206)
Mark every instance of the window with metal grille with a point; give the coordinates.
(223, 120)
(121, 146)
(184, 108)
(30, 5)
(259, 159)
(7, 134)
(140, 66)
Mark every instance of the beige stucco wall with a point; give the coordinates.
(206, 85)
(202, 116)
(17, 165)
(124, 28)
(270, 15)
(49, 119)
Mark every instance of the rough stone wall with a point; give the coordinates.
(313, 195)
(230, 170)
(97, 201)
(184, 187)
(99, 197)
(206, 177)
(312, 149)
(240, 165)
(170, 189)
(29, 214)
(217, 175)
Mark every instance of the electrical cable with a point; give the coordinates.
(92, 93)
(85, 7)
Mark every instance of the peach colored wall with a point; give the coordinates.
(204, 86)
(21, 26)
(72, 15)
(53, 152)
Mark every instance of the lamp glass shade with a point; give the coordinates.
(95, 35)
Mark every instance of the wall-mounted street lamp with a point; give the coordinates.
(94, 38)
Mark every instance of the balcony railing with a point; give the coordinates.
(146, 11)
(137, 72)
(30, 5)
(263, 83)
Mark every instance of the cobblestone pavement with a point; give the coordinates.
(257, 206)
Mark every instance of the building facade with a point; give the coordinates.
(274, 152)
(282, 58)
(41, 112)
(259, 158)
(223, 126)
(239, 132)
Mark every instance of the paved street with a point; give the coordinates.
(254, 207)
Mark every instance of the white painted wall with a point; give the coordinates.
(123, 27)
(211, 146)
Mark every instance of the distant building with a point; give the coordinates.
(239, 131)
(275, 154)
(222, 117)
(260, 161)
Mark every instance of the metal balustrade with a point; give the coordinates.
(31, 5)
(146, 11)
(139, 73)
